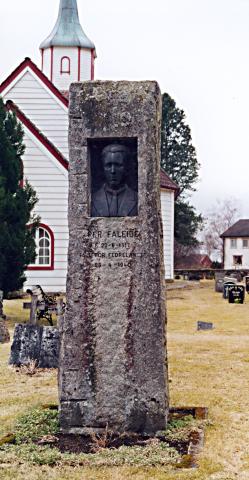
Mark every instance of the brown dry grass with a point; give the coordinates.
(206, 369)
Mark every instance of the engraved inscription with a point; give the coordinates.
(114, 248)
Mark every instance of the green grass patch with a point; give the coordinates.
(36, 424)
(40, 423)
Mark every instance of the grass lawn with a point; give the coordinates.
(206, 369)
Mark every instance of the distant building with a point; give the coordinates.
(236, 246)
(40, 100)
(194, 261)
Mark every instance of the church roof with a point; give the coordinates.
(68, 31)
(37, 133)
(27, 63)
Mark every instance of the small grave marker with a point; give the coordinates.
(236, 294)
(247, 283)
(205, 326)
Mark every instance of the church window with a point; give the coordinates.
(44, 240)
(65, 65)
(44, 247)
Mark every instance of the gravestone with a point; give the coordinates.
(247, 283)
(112, 368)
(35, 342)
(236, 294)
(205, 326)
(226, 287)
(219, 284)
(219, 280)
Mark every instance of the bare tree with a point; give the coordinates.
(222, 215)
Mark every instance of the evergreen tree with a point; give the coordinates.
(178, 159)
(17, 243)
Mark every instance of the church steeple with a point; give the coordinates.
(67, 53)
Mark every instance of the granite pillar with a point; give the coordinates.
(113, 367)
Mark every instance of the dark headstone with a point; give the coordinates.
(226, 287)
(112, 361)
(204, 326)
(35, 342)
(247, 283)
(49, 351)
(236, 294)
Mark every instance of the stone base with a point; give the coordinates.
(142, 420)
(4, 333)
(84, 431)
(34, 342)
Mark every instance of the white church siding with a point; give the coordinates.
(167, 206)
(42, 108)
(50, 181)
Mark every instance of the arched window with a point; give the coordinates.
(44, 247)
(65, 65)
(44, 240)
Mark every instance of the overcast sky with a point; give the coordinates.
(196, 49)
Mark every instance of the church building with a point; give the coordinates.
(39, 97)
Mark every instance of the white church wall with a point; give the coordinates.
(50, 181)
(85, 64)
(63, 80)
(42, 109)
(167, 206)
(46, 67)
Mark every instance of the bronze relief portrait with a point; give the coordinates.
(114, 178)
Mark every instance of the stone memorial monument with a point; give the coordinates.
(113, 367)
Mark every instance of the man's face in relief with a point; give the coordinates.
(114, 169)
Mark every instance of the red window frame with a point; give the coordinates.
(51, 266)
(63, 68)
